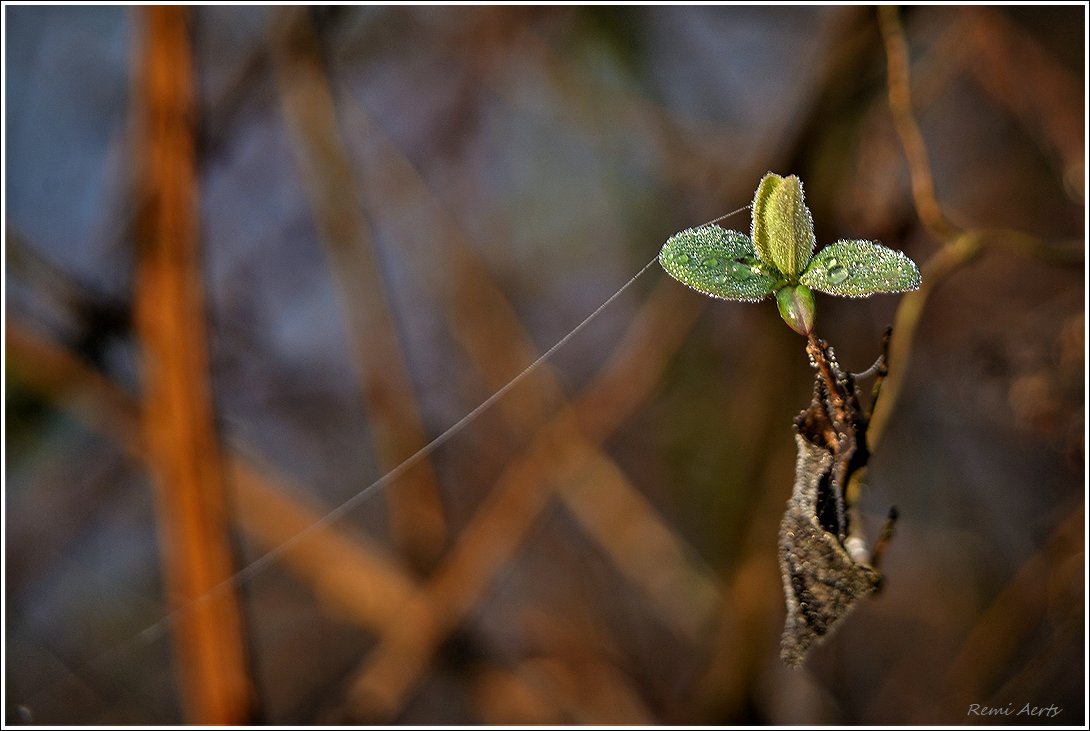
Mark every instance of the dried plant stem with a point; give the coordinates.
(815, 348)
(183, 453)
(905, 322)
(959, 247)
(561, 462)
(1022, 74)
(900, 102)
(344, 570)
(417, 521)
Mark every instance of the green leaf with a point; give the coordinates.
(782, 229)
(719, 263)
(860, 269)
(796, 305)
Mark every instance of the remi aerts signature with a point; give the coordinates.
(975, 709)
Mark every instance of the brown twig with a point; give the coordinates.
(1024, 76)
(815, 349)
(1015, 612)
(959, 247)
(604, 502)
(182, 449)
(973, 670)
(905, 323)
(505, 697)
(559, 461)
(638, 361)
(900, 102)
(346, 572)
(349, 574)
(484, 546)
(417, 521)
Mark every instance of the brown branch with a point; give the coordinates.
(1024, 76)
(183, 452)
(604, 502)
(900, 102)
(560, 461)
(353, 576)
(485, 324)
(417, 521)
(506, 698)
(1070, 253)
(959, 247)
(484, 546)
(637, 363)
(905, 323)
(571, 680)
(815, 349)
(1014, 614)
(555, 460)
(348, 572)
(589, 690)
(994, 640)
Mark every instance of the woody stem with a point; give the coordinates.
(815, 348)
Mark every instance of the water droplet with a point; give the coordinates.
(740, 271)
(682, 258)
(710, 261)
(838, 274)
(831, 262)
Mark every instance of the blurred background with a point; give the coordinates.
(255, 258)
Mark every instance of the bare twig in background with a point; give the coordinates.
(461, 581)
(484, 546)
(505, 698)
(346, 572)
(181, 438)
(539, 397)
(993, 642)
(638, 361)
(587, 689)
(416, 515)
(571, 679)
(349, 576)
(991, 647)
(959, 247)
(934, 272)
(559, 460)
(1026, 78)
(329, 564)
(63, 379)
(1004, 624)
(900, 102)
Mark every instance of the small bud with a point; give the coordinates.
(782, 229)
(797, 308)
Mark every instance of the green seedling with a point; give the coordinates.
(825, 565)
(777, 258)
